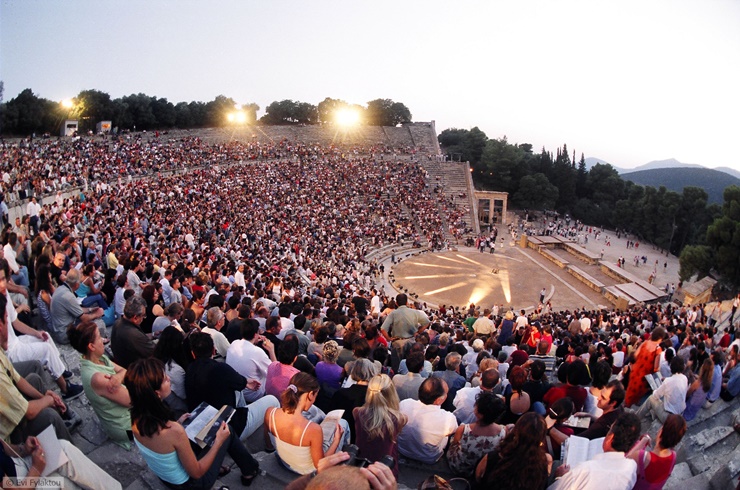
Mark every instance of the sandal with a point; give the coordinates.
(224, 470)
(248, 479)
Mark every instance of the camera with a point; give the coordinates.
(362, 462)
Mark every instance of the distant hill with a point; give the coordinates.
(591, 161)
(675, 179)
(729, 170)
(670, 163)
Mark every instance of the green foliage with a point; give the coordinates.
(536, 192)
(723, 236)
(695, 259)
(290, 112)
(385, 112)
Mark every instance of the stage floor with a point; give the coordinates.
(512, 277)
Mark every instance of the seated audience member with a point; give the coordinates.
(28, 461)
(466, 397)
(426, 369)
(716, 385)
(172, 350)
(361, 350)
(127, 341)
(557, 414)
(517, 400)
(655, 467)
(379, 421)
(300, 443)
(216, 320)
(251, 356)
(215, 383)
(731, 388)
(537, 385)
(407, 385)
(354, 396)
(32, 344)
(425, 436)
(329, 374)
(172, 315)
(376, 476)
(163, 442)
(24, 409)
(600, 374)
(575, 373)
(520, 462)
(102, 380)
(66, 309)
(452, 377)
(610, 403)
(543, 348)
(610, 466)
(282, 370)
(473, 440)
(696, 394)
(670, 397)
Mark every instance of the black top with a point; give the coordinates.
(600, 427)
(129, 343)
(207, 380)
(348, 399)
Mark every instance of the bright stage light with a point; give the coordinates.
(67, 103)
(346, 117)
(238, 117)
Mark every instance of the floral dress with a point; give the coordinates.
(464, 456)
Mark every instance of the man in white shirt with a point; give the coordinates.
(610, 470)
(424, 438)
(216, 319)
(33, 209)
(19, 273)
(670, 397)
(407, 385)
(585, 323)
(465, 398)
(166, 287)
(239, 277)
(521, 320)
(249, 360)
(375, 303)
(483, 326)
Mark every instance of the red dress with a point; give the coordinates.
(644, 365)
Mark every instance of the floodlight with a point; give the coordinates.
(346, 117)
(68, 103)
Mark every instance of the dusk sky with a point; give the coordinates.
(624, 81)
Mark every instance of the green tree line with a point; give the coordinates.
(28, 113)
(706, 237)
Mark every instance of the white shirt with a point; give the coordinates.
(585, 324)
(248, 360)
(375, 305)
(220, 342)
(10, 257)
(606, 471)
(673, 392)
(464, 404)
(33, 208)
(239, 279)
(424, 437)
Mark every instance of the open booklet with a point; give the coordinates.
(579, 422)
(654, 380)
(579, 449)
(204, 422)
(328, 426)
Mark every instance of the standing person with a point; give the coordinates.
(379, 421)
(735, 304)
(163, 442)
(33, 209)
(543, 292)
(647, 361)
(401, 326)
(655, 467)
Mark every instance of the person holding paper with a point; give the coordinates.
(164, 443)
(670, 397)
(300, 443)
(610, 470)
(32, 460)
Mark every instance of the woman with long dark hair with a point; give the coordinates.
(520, 462)
(163, 442)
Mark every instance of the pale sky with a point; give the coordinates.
(624, 81)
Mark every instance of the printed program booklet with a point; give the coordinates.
(204, 422)
(579, 449)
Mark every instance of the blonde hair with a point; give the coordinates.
(331, 351)
(509, 315)
(381, 417)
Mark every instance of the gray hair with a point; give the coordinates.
(213, 316)
(453, 360)
(74, 277)
(362, 370)
(135, 306)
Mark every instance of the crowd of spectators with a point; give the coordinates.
(241, 280)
